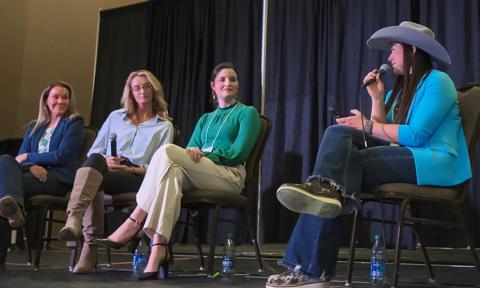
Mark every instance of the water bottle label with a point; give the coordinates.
(139, 262)
(228, 263)
(377, 269)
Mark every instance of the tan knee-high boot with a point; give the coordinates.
(85, 187)
(93, 225)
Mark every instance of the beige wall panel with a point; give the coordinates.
(13, 18)
(52, 40)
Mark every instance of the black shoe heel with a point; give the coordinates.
(162, 272)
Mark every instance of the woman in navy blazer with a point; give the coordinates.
(48, 157)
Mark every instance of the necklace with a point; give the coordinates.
(209, 149)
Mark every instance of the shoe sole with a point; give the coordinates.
(300, 201)
(66, 234)
(8, 207)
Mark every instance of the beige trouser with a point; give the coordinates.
(171, 171)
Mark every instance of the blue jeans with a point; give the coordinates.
(343, 159)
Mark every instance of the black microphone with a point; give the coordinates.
(113, 144)
(384, 68)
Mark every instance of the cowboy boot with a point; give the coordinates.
(93, 225)
(85, 187)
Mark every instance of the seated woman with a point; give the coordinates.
(138, 129)
(420, 116)
(48, 156)
(213, 159)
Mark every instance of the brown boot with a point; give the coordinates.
(85, 187)
(88, 259)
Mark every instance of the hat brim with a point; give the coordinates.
(383, 38)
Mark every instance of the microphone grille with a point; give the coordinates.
(385, 68)
(113, 136)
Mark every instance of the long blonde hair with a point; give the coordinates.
(44, 114)
(159, 105)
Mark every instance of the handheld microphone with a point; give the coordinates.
(384, 68)
(113, 144)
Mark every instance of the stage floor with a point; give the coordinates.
(185, 271)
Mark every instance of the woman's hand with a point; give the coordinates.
(113, 161)
(354, 121)
(376, 89)
(195, 153)
(21, 158)
(39, 172)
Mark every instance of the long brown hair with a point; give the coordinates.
(406, 85)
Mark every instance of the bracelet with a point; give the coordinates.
(369, 127)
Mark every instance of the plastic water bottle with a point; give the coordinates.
(377, 263)
(140, 257)
(228, 261)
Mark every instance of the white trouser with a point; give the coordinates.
(171, 171)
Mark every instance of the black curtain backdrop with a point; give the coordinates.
(122, 48)
(180, 41)
(316, 58)
(189, 38)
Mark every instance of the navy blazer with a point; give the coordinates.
(64, 149)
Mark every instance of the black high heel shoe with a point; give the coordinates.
(162, 272)
(105, 242)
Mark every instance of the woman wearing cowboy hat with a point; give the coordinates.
(414, 136)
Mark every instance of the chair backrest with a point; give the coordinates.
(253, 161)
(90, 135)
(469, 103)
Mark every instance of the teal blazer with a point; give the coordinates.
(433, 132)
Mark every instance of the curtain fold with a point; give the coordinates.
(122, 48)
(189, 38)
(316, 59)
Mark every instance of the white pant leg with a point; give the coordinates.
(170, 171)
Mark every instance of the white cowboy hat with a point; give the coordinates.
(411, 33)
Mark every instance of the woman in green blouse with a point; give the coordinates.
(214, 157)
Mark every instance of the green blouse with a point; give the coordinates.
(227, 135)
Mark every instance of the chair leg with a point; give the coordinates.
(41, 228)
(73, 256)
(425, 254)
(351, 259)
(213, 234)
(249, 224)
(468, 236)
(257, 253)
(107, 249)
(398, 246)
(48, 230)
(27, 246)
(196, 232)
(170, 252)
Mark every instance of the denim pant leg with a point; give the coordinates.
(314, 245)
(11, 182)
(340, 157)
(315, 241)
(388, 164)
